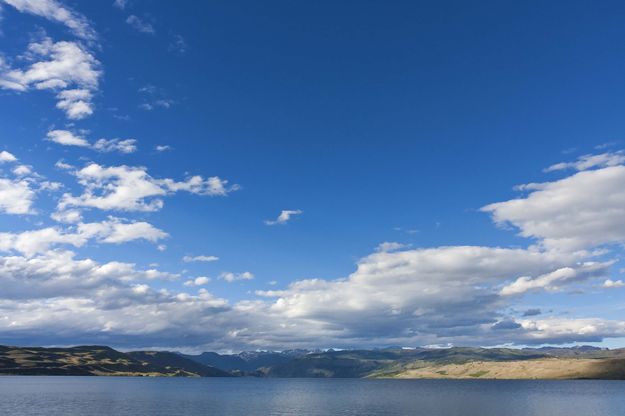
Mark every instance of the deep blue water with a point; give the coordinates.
(67, 396)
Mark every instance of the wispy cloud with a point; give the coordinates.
(284, 217)
(57, 12)
(177, 44)
(190, 259)
(120, 4)
(590, 161)
(140, 25)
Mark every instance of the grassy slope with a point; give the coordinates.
(88, 360)
(542, 368)
(458, 363)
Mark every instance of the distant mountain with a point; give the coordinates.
(460, 362)
(501, 363)
(172, 361)
(246, 362)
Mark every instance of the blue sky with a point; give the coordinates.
(139, 134)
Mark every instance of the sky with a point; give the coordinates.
(249, 175)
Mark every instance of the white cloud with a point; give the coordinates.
(112, 231)
(396, 295)
(16, 196)
(140, 25)
(76, 103)
(71, 216)
(62, 165)
(127, 188)
(162, 148)
(119, 145)
(284, 217)
(609, 284)
(6, 157)
(118, 232)
(198, 281)
(55, 11)
(64, 66)
(234, 277)
(22, 170)
(390, 246)
(189, 259)
(590, 161)
(578, 212)
(554, 281)
(570, 330)
(68, 138)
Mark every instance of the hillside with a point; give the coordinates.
(543, 368)
(248, 361)
(562, 363)
(97, 361)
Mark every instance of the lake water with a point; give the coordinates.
(95, 396)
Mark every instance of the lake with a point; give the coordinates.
(95, 396)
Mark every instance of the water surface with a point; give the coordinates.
(120, 396)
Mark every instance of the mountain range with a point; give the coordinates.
(459, 362)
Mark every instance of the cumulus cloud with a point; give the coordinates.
(68, 138)
(162, 148)
(189, 259)
(59, 274)
(609, 283)
(16, 196)
(66, 67)
(118, 145)
(198, 281)
(23, 170)
(6, 157)
(558, 330)
(407, 293)
(284, 217)
(126, 188)
(113, 230)
(396, 295)
(580, 211)
(57, 12)
(234, 277)
(71, 216)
